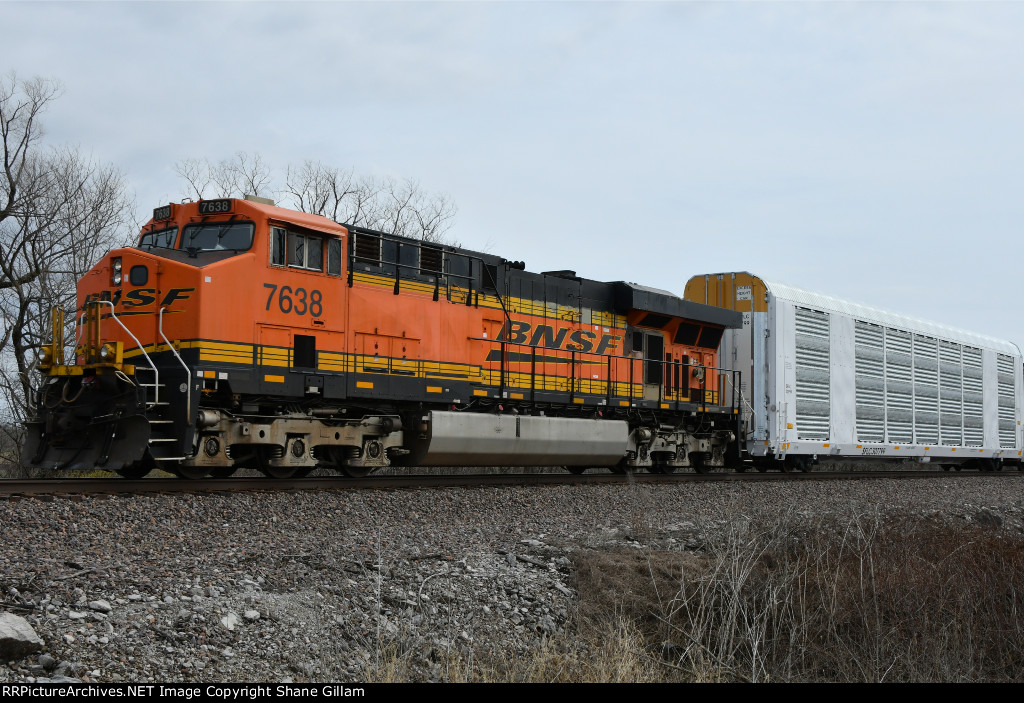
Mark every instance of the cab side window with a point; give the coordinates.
(278, 246)
(334, 257)
(304, 251)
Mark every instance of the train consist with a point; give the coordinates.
(237, 334)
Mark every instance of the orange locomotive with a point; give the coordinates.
(240, 334)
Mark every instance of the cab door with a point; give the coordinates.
(650, 346)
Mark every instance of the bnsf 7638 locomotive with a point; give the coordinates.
(240, 334)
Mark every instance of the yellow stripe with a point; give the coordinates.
(273, 379)
(434, 389)
(525, 306)
(483, 393)
(364, 384)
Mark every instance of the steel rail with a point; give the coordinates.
(82, 486)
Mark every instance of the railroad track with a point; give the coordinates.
(112, 486)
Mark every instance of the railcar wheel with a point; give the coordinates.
(800, 464)
(578, 470)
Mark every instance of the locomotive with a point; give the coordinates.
(239, 334)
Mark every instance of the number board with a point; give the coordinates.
(162, 213)
(212, 207)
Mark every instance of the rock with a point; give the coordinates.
(100, 606)
(47, 662)
(77, 615)
(251, 615)
(546, 625)
(17, 638)
(988, 518)
(229, 621)
(58, 679)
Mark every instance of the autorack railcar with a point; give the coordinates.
(827, 379)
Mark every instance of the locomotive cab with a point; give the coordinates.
(143, 361)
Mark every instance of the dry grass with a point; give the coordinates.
(783, 600)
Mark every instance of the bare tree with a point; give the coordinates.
(59, 211)
(387, 204)
(234, 177)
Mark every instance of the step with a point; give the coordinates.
(162, 439)
(169, 458)
(160, 422)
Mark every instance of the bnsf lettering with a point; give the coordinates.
(140, 297)
(518, 332)
(582, 340)
(176, 294)
(544, 336)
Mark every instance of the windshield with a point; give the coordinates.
(212, 236)
(164, 238)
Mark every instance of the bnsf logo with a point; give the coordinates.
(140, 297)
(519, 332)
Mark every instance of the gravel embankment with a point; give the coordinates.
(328, 586)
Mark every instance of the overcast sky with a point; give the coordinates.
(870, 151)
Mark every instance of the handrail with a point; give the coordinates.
(156, 372)
(188, 373)
(624, 370)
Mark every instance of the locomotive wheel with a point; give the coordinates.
(578, 470)
(223, 471)
(134, 472)
(192, 473)
(277, 471)
(356, 471)
(697, 461)
(340, 463)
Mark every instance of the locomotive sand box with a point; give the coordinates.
(240, 334)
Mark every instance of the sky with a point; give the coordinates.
(866, 150)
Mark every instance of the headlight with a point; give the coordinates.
(106, 352)
(117, 278)
(117, 263)
(43, 354)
